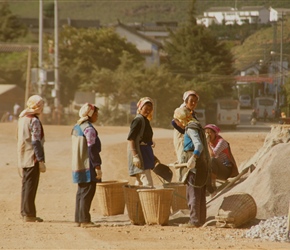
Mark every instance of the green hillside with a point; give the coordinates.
(108, 11)
(259, 45)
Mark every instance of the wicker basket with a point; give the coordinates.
(156, 205)
(110, 197)
(133, 204)
(179, 200)
(236, 210)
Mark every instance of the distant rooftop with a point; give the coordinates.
(6, 87)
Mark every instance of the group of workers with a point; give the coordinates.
(205, 156)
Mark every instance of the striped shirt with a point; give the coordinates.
(220, 149)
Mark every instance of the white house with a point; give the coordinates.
(148, 47)
(206, 21)
(254, 14)
(229, 15)
(222, 15)
(158, 31)
(277, 13)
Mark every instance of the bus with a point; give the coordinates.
(265, 108)
(223, 112)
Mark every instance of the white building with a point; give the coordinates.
(276, 14)
(229, 15)
(148, 47)
(254, 14)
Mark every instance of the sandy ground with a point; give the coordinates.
(56, 197)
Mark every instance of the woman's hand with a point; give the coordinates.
(207, 135)
(136, 161)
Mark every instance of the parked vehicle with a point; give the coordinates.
(223, 112)
(265, 108)
(245, 101)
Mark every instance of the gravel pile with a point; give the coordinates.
(273, 229)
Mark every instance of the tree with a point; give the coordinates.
(87, 53)
(131, 81)
(90, 48)
(10, 26)
(166, 91)
(198, 56)
(13, 68)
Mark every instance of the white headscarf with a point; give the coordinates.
(86, 111)
(186, 95)
(141, 103)
(34, 104)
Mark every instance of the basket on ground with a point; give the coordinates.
(179, 200)
(156, 205)
(110, 197)
(133, 204)
(236, 210)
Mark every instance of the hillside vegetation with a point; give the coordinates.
(132, 10)
(259, 45)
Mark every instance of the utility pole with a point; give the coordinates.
(56, 75)
(281, 58)
(40, 45)
(27, 86)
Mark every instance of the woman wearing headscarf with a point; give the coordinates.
(190, 100)
(30, 140)
(196, 173)
(86, 163)
(140, 143)
(223, 164)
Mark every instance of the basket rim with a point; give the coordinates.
(174, 184)
(110, 182)
(155, 190)
(244, 193)
(129, 186)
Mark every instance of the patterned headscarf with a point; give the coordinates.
(141, 103)
(183, 115)
(86, 111)
(34, 104)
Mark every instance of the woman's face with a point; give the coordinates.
(210, 133)
(94, 117)
(191, 102)
(146, 109)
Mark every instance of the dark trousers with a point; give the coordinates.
(221, 171)
(30, 182)
(196, 200)
(84, 197)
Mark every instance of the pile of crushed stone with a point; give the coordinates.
(273, 229)
(268, 183)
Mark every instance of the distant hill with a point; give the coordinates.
(109, 11)
(256, 47)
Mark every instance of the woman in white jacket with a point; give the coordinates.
(30, 140)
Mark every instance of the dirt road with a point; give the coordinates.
(56, 196)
